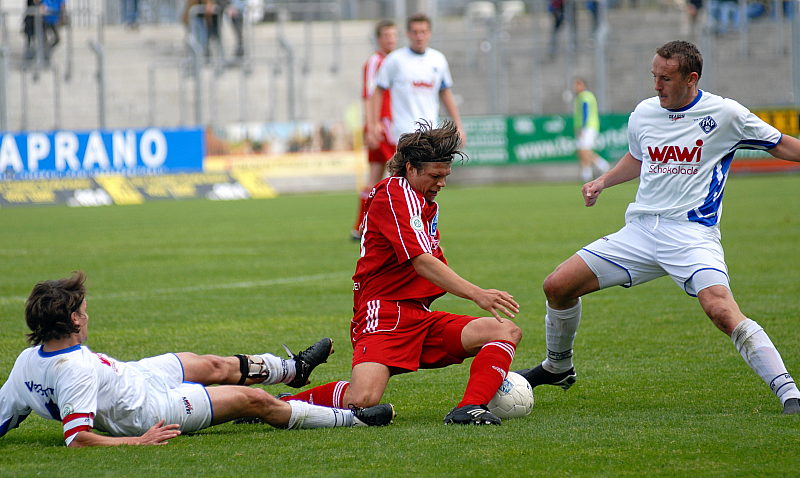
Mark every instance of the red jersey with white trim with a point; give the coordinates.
(78, 387)
(371, 67)
(400, 224)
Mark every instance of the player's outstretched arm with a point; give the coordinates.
(788, 148)
(626, 169)
(158, 434)
(491, 300)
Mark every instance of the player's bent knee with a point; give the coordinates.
(556, 287)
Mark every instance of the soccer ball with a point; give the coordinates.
(513, 399)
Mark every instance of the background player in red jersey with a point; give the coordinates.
(401, 271)
(378, 152)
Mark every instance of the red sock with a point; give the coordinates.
(328, 395)
(362, 208)
(488, 370)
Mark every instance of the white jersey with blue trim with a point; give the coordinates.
(686, 154)
(415, 80)
(78, 387)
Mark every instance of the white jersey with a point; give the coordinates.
(80, 388)
(686, 154)
(415, 80)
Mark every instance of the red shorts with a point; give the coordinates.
(407, 335)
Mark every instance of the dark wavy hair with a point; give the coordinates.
(688, 56)
(50, 306)
(426, 145)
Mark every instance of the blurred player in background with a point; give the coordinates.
(154, 399)
(586, 121)
(418, 77)
(681, 144)
(378, 154)
(402, 270)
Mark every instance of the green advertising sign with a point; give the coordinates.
(499, 140)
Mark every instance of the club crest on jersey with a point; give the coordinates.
(417, 224)
(676, 116)
(707, 124)
(434, 224)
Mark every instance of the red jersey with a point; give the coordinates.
(371, 67)
(400, 224)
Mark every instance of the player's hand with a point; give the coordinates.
(497, 302)
(591, 191)
(463, 135)
(374, 135)
(159, 433)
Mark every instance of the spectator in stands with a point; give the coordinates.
(561, 10)
(130, 14)
(202, 23)
(556, 9)
(234, 9)
(727, 16)
(51, 13)
(693, 9)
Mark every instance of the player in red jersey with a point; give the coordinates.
(378, 153)
(401, 271)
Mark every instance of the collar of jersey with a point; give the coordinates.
(415, 52)
(694, 102)
(67, 350)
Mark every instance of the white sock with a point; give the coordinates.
(761, 355)
(586, 174)
(306, 415)
(280, 370)
(601, 164)
(560, 329)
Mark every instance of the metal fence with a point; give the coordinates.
(301, 61)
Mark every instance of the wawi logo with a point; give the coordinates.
(676, 154)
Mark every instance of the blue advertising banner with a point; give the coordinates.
(128, 152)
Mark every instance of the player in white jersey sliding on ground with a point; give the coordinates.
(154, 399)
(681, 144)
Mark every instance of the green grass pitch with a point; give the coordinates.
(660, 391)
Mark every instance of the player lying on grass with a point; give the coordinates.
(402, 270)
(682, 142)
(154, 399)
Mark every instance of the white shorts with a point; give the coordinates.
(586, 139)
(649, 247)
(170, 398)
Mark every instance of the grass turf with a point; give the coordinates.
(660, 392)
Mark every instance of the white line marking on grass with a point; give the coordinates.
(200, 288)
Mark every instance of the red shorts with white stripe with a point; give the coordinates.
(406, 335)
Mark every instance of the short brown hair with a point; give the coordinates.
(426, 145)
(688, 56)
(379, 27)
(418, 18)
(49, 308)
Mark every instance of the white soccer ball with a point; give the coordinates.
(513, 399)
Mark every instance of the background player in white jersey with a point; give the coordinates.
(418, 77)
(681, 145)
(155, 399)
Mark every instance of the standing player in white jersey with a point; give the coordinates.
(154, 399)
(418, 77)
(682, 142)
